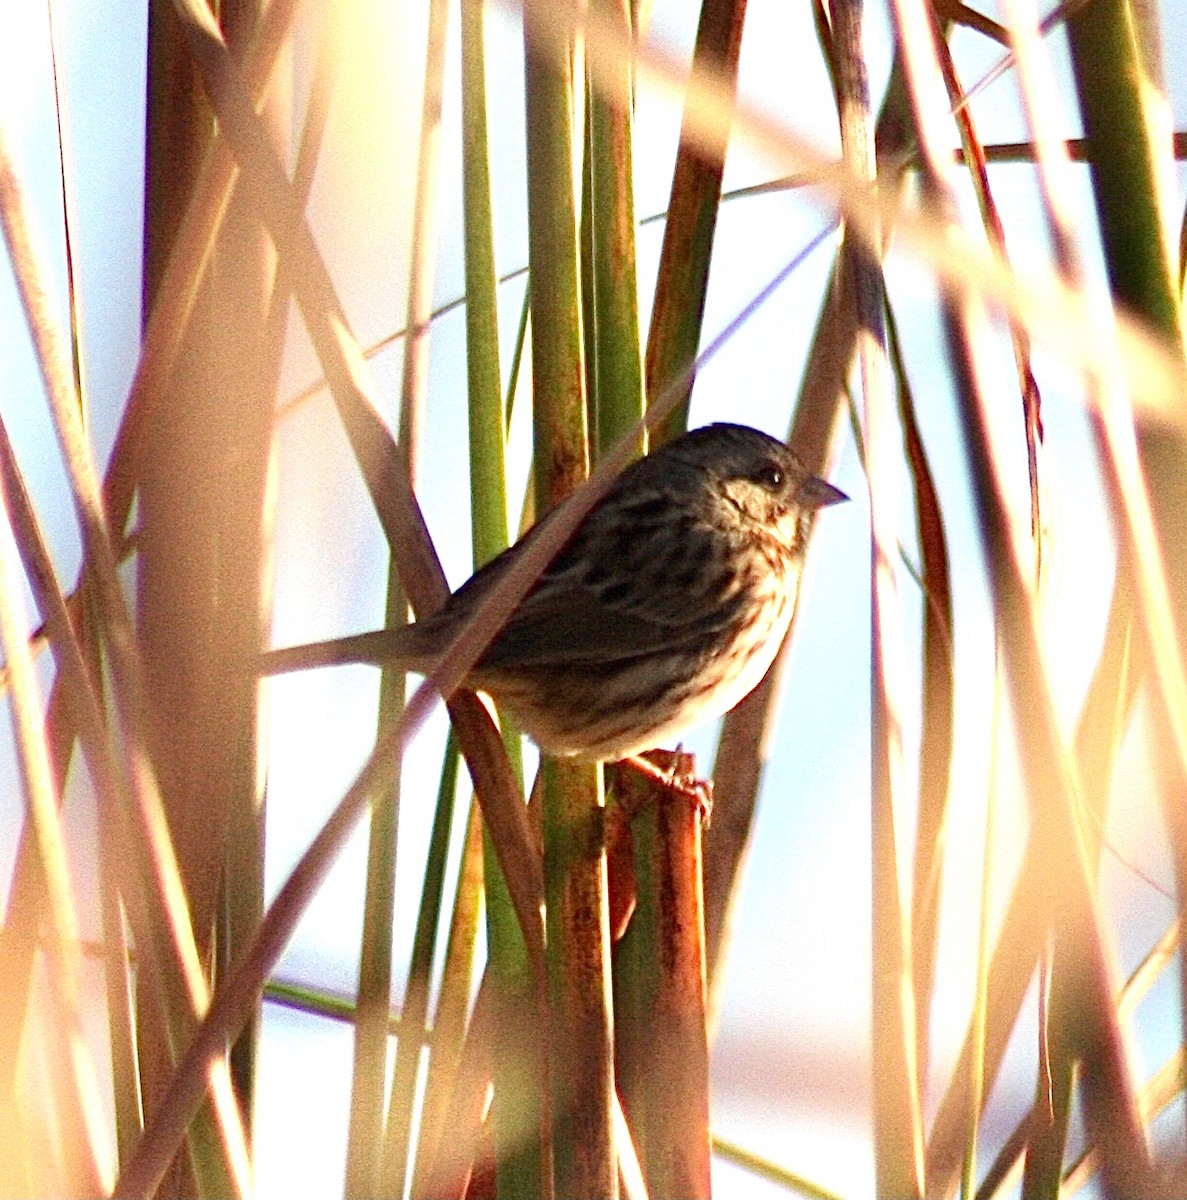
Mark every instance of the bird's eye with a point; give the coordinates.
(770, 476)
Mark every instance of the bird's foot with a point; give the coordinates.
(675, 772)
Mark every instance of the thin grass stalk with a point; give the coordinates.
(127, 1098)
(451, 1166)
(414, 1013)
(202, 562)
(1047, 1128)
(974, 158)
(1110, 700)
(181, 275)
(618, 401)
(1050, 1114)
(980, 1019)
(513, 988)
(513, 377)
(315, 1002)
(488, 412)
(935, 752)
(377, 1157)
(88, 1165)
(453, 1004)
(1110, 1105)
(659, 981)
(678, 310)
(69, 212)
(1128, 166)
(659, 963)
(581, 1071)
(367, 1137)
(117, 976)
(815, 428)
(898, 1128)
(178, 528)
(201, 570)
(790, 1181)
(243, 893)
(125, 665)
(74, 685)
(585, 242)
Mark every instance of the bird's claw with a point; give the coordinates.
(679, 778)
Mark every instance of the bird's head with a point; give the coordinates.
(760, 479)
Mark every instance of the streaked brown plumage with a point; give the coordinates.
(664, 609)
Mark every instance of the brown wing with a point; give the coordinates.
(639, 579)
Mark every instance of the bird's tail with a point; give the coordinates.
(403, 647)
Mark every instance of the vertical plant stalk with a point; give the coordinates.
(1105, 714)
(513, 987)
(1135, 220)
(178, 129)
(86, 1155)
(74, 687)
(679, 306)
(581, 1038)
(974, 155)
(244, 603)
(448, 1168)
(659, 983)
(1120, 89)
(980, 1017)
(1066, 895)
(187, 996)
(450, 1030)
(181, 274)
(377, 1159)
(120, 988)
(647, 1057)
(618, 401)
(898, 1125)
(816, 426)
(201, 495)
(935, 752)
(413, 1014)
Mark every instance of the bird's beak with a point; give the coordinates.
(817, 493)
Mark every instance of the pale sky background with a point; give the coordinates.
(792, 1062)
